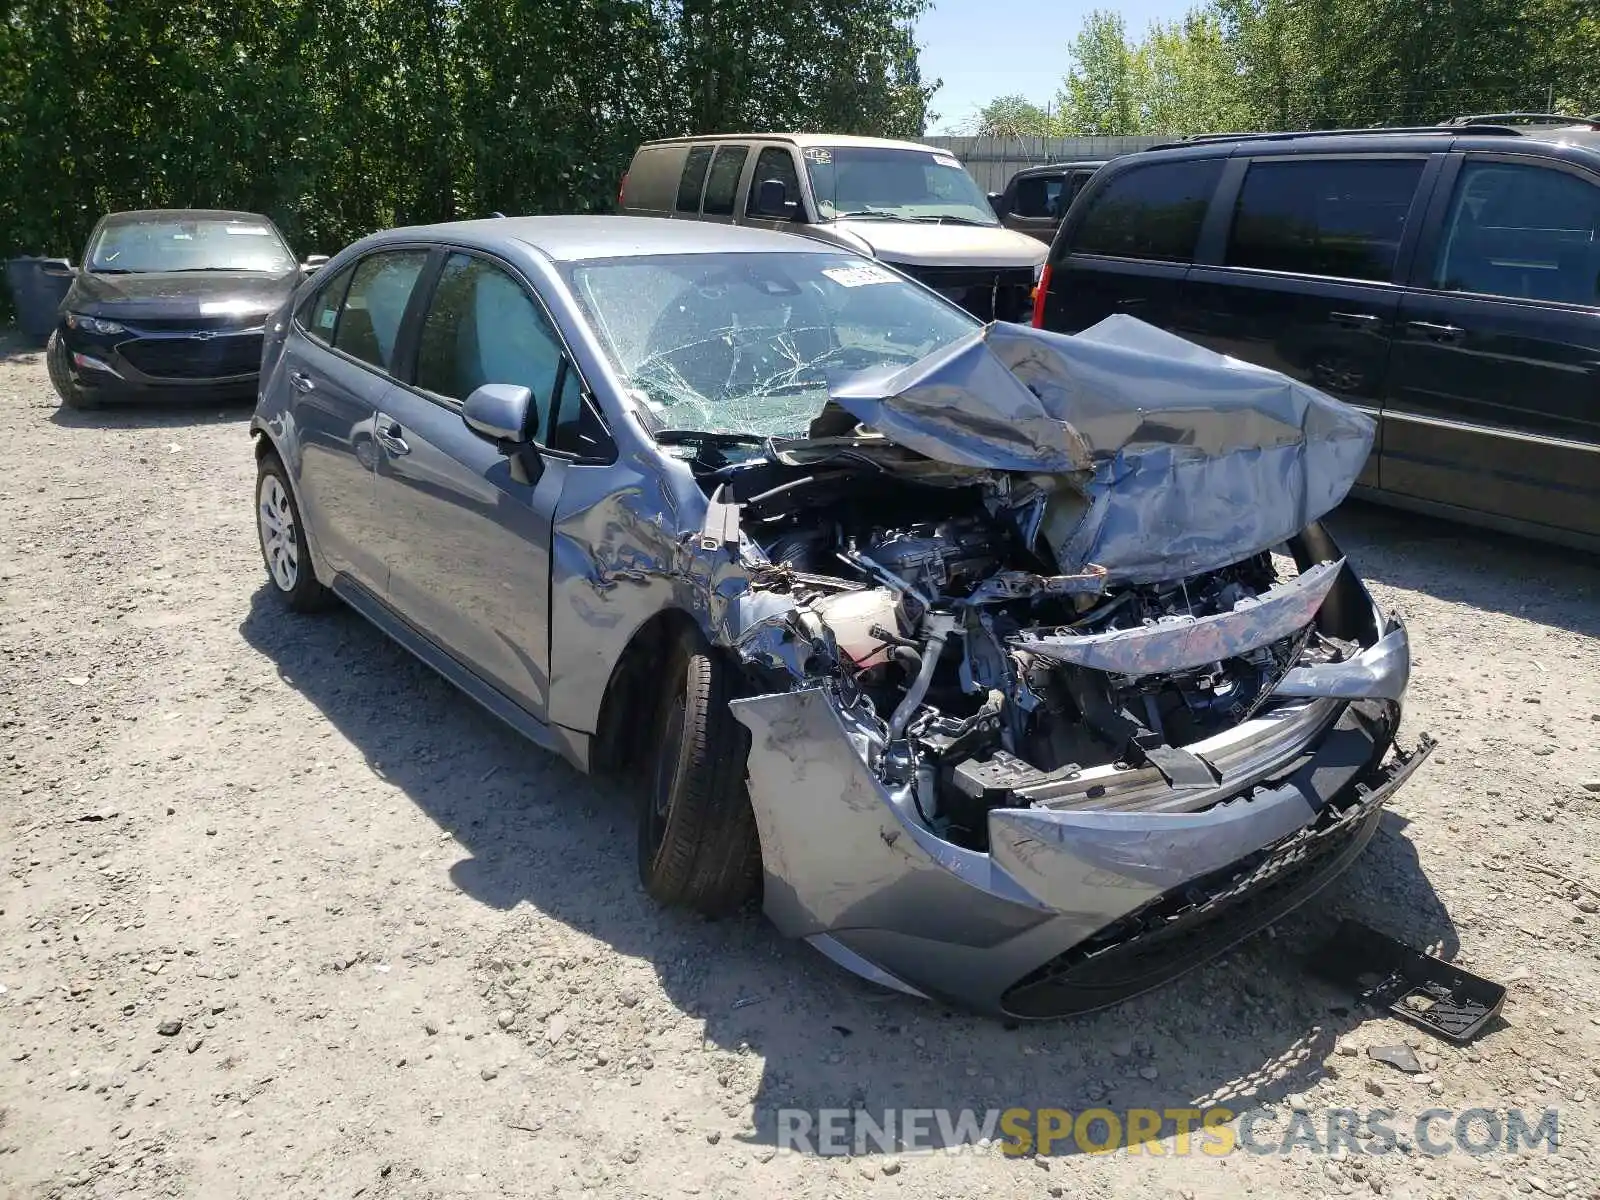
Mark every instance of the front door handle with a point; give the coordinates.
(1358, 320)
(1436, 332)
(301, 382)
(390, 435)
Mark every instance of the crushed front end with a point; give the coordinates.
(1014, 743)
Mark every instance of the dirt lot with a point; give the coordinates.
(409, 956)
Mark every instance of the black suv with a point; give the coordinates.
(1444, 279)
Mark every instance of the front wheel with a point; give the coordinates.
(55, 361)
(282, 534)
(698, 847)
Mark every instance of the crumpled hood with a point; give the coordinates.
(1190, 460)
(925, 244)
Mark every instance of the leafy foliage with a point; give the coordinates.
(338, 117)
(1317, 64)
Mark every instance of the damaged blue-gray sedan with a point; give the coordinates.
(1009, 668)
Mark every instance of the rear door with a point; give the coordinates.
(337, 362)
(1128, 246)
(720, 200)
(1494, 403)
(692, 182)
(468, 541)
(1302, 275)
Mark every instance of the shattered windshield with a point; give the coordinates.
(748, 343)
(899, 185)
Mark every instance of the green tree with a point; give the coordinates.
(1098, 95)
(1013, 116)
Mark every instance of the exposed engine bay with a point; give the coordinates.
(971, 671)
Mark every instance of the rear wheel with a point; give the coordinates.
(698, 847)
(282, 535)
(55, 359)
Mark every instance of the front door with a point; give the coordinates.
(1495, 397)
(1037, 205)
(1305, 282)
(469, 542)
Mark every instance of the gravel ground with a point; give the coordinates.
(281, 914)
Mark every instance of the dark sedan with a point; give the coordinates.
(169, 300)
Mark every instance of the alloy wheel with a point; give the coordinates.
(280, 545)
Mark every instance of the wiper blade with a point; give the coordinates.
(941, 220)
(867, 212)
(678, 437)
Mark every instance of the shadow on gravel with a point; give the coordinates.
(1496, 572)
(180, 411)
(1242, 1031)
(16, 347)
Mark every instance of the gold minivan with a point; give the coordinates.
(912, 207)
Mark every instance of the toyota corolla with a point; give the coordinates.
(1005, 667)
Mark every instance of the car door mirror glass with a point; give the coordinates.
(772, 200)
(997, 201)
(312, 262)
(499, 412)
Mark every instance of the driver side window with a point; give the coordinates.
(483, 327)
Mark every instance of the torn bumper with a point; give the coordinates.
(1082, 900)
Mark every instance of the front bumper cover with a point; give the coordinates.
(1073, 908)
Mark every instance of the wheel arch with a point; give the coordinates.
(622, 740)
(265, 445)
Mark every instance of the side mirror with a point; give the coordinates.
(312, 262)
(499, 412)
(997, 201)
(772, 200)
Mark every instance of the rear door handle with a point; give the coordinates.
(301, 382)
(1359, 320)
(390, 435)
(1436, 332)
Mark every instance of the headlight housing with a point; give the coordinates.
(94, 324)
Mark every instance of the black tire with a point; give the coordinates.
(698, 847)
(287, 559)
(55, 361)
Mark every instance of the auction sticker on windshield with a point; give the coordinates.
(944, 160)
(859, 275)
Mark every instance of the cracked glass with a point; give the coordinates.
(749, 343)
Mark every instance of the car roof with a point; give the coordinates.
(803, 140)
(1507, 139)
(134, 215)
(1049, 168)
(570, 238)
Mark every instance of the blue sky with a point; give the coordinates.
(988, 48)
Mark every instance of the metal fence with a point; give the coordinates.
(992, 161)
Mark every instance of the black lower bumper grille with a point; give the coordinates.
(193, 357)
(1193, 923)
(992, 294)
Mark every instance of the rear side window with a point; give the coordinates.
(319, 313)
(694, 177)
(723, 183)
(1522, 231)
(1040, 196)
(1338, 217)
(1152, 211)
(774, 163)
(369, 320)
